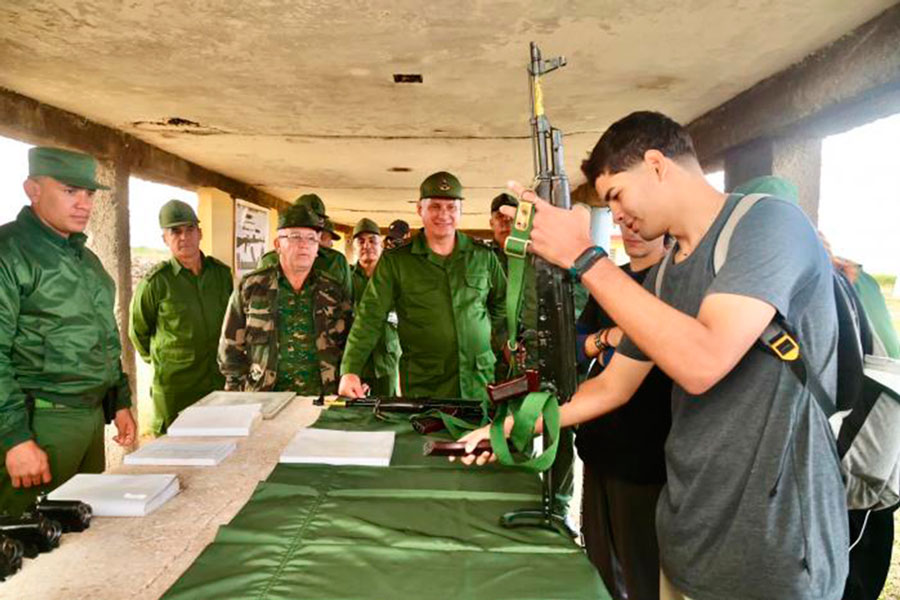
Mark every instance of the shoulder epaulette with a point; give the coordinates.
(156, 269)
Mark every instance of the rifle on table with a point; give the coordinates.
(423, 410)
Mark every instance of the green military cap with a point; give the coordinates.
(313, 202)
(299, 215)
(175, 213)
(503, 199)
(771, 186)
(328, 227)
(366, 226)
(72, 168)
(441, 185)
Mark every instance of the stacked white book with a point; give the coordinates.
(119, 495)
(200, 421)
(272, 402)
(332, 447)
(166, 452)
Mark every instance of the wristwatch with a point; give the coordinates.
(585, 261)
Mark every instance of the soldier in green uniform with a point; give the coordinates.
(176, 317)
(449, 293)
(286, 324)
(501, 226)
(329, 235)
(380, 371)
(59, 344)
(328, 259)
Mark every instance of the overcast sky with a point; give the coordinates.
(859, 210)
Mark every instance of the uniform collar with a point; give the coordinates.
(29, 220)
(177, 266)
(419, 244)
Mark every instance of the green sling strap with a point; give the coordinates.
(526, 411)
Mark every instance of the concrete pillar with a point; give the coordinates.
(799, 160)
(215, 209)
(795, 158)
(273, 228)
(110, 238)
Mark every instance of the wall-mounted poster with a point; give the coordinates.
(251, 236)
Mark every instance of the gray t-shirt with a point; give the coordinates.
(754, 506)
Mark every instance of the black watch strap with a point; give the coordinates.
(585, 261)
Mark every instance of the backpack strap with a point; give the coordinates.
(743, 206)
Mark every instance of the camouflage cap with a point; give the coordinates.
(313, 202)
(503, 199)
(71, 168)
(175, 212)
(771, 186)
(299, 216)
(441, 185)
(366, 226)
(329, 227)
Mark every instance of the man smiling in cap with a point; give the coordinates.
(59, 343)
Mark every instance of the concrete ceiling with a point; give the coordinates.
(294, 96)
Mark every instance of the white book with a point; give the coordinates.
(272, 402)
(119, 495)
(198, 421)
(332, 447)
(166, 452)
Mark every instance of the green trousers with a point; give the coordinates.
(73, 441)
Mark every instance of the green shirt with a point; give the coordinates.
(298, 361)
(176, 319)
(58, 333)
(877, 311)
(380, 371)
(446, 307)
(328, 260)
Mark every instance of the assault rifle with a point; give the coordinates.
(462, 408)
(556, 314)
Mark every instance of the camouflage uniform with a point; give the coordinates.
(250, 350)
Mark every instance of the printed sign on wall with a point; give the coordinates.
(251, 236)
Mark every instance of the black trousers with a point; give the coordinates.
(870, 559)
(618, 523)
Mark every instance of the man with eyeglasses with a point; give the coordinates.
(286, 324)
(448, 292)
(176, 317)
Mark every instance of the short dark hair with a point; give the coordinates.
(623, 145)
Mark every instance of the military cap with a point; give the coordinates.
(503, 199)
(299, 215)
(175, 213)
(328, 227)
(71, 168)
(441, 185)
(398, 229)
(313, 202)
(366, 226)
(771, 186)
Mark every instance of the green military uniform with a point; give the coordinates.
(59, 343)
(328, 260)
(270, 330)
(381, 370)
(176, 319)
(447, 308)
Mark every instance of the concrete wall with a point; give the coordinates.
(215, 209)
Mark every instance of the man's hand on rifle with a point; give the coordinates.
(558, 235)
(472, 439)
(352, 387)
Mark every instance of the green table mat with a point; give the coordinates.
(422, 528)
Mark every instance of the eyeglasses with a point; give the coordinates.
(300, 239)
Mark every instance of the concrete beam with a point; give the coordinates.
(31, 121)
(850, 82)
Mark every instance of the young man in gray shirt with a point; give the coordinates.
(754, 506)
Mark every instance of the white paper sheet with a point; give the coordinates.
(272, 402)
(165, 452)
(331, 447)
(197, 421)
(119, 495)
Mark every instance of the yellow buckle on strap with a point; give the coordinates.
(784, 346)
(523, 215)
